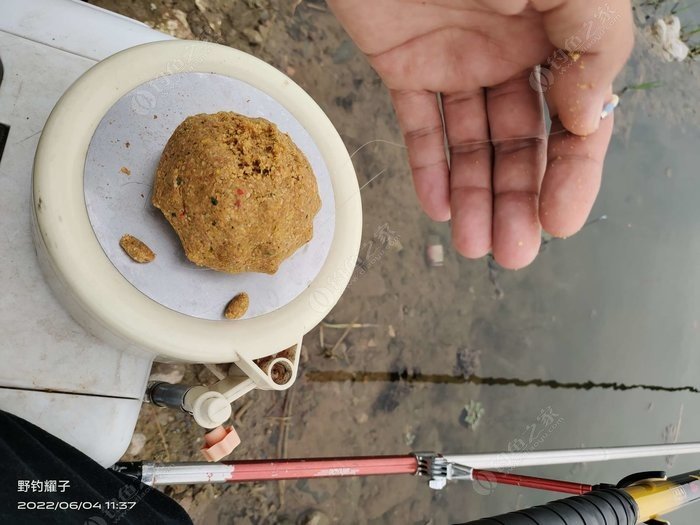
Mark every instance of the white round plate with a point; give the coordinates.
(86, 279)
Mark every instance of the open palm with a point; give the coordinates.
(502, 177)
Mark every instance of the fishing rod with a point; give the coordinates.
(639, 498)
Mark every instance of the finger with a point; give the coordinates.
(572, 179)
(595, 38)
(419, 118)
(516, 119)
(471, 199)
(504, 7)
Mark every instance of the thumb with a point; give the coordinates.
(593, 39)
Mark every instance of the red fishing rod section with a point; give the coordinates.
(261, 470)
(552, 485)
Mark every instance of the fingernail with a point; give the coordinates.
(609, 107)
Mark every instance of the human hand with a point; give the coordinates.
(504, 178)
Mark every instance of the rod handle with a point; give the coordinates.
(607, 506)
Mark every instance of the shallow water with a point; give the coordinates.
(619, 303)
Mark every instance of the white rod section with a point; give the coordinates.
(498, 460)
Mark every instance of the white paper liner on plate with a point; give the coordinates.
(118, 204)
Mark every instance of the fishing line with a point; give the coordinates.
(475, 143)
(607, 110)
(463, 145)
(370, 180)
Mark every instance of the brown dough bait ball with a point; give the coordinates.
(237, 307)
(136, 249)
(239, 193)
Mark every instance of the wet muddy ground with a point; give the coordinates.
(466, 317)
